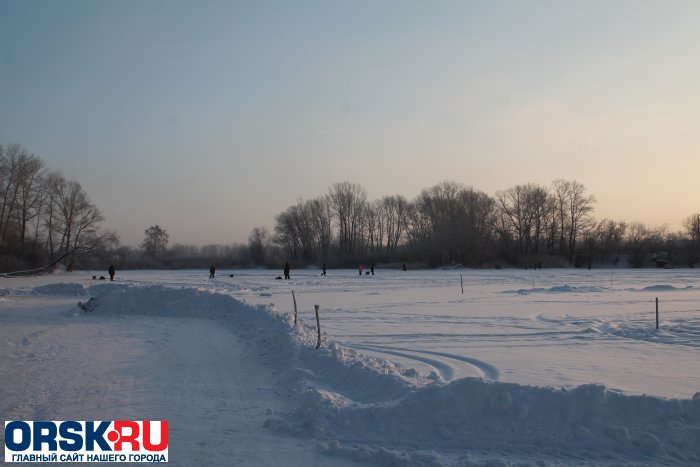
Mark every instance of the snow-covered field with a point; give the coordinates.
(538, 367)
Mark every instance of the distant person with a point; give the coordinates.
(323, 268)
(286, 270)
(360, 269)
(111, 272)
(212, 271)
(371, 268)
(404, 266)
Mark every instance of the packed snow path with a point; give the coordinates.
(60, 363)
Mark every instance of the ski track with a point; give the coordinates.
(445, 370)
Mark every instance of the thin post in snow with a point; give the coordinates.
(657, 312)
(461, 281)
(295, 308)
(318, 326)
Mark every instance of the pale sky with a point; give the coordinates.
(211, 117)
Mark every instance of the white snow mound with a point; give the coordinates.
(69, 290)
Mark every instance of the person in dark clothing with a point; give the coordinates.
(323, 268)
(111, 272)
(404, 266)
(212, 271)
(286, 270)
(371, 268)
(360, 270)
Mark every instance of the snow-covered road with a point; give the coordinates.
(60, 363)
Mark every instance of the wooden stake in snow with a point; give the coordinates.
(657, 312)
(318, 326)
(295, 308)
(461, 281)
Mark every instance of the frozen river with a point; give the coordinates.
(552, 328)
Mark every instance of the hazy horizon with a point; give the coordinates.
(210, 118)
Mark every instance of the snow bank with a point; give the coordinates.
(69, 289)
(662, 288)
(56, 290)
(555, 289)
(588, 422)
(370, 410)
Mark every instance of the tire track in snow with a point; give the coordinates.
(445, 370)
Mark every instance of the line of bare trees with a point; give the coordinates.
(44, 217)
(155, 252)
(450, 223)
(445, 224)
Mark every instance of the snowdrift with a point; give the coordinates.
(555, 289)
(69, 289)
(371, 410)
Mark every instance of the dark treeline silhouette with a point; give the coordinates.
(448, 224)
(45, 219)
(184, 257)
(452, 224)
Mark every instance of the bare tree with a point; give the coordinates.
(71, 203)
(692, 232)
(641, 241)
(573, 207)
(9, 173)
(286, 233)
(438, 204)
(295, 231)
(70, 220)
(258, 241)
(30, 193)
(504, 231)
(529, 211)
(348, 202)
(603, 240)
(372, 227)
(459, 221)
(22, 194)
(65, 223)
(73, 221)
(155, 242)
(510, 204)
(319, 210)
(53, 183)
(418, 227)
(476, 217)
(395, 214)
